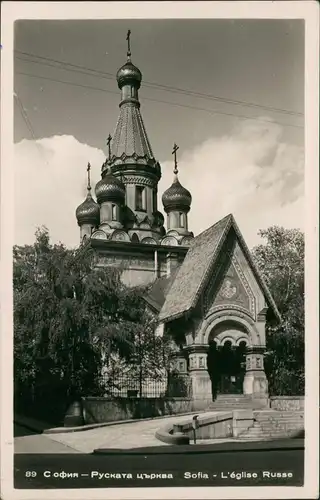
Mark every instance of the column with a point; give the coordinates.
(179, 380)
(200, 380)
(255, 381)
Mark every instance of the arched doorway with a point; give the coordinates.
(226, 358)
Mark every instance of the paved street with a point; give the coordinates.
(124, 436)
(47, 455)
(27, 441)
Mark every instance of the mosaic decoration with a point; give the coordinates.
(228, 290)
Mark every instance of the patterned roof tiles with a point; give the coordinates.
(186, 286)
(159, 290)
(197, 266)
(130, 138)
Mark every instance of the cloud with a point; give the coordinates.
(250, 173)
(50, 182)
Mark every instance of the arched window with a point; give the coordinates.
(141, 200)
(114, 212)
(181, 219)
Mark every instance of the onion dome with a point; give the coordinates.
(88, 212)
(176, 197)
(129, 74)
(110, 188)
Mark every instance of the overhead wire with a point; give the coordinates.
(28, 123)
(103, 74)
(210, 111)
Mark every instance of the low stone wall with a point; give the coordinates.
(98, 410)
(287, 403)
(211, 427)
(242, 420)
(222, 425)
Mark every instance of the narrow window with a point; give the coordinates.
(144, 199)
(114, 212)
(140, 198)
(181, 220)
(154, 200)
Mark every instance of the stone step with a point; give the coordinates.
(270, 424)
(265, 425)
(279, 423)
(271, 413)
(280, 417)
(230, 407)
(267, 414)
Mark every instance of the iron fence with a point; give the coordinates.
(148, 387)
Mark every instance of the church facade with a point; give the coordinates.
(206, 290)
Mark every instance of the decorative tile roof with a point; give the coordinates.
(130, 139)
(159, 291)
(195, 270)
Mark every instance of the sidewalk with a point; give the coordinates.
(134, 435)
(31, 423)
(39, 426)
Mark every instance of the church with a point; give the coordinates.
(205, 290)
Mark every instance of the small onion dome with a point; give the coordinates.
(176, 197)
(88, 212)
(110, 188)
(129, 74)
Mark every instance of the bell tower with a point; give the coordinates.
(132, 159)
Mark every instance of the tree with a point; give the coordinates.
(68, 317)
(146, 369)
(281, 263)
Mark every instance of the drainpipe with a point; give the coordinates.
(156, 263)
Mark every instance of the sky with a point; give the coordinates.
(230, 93)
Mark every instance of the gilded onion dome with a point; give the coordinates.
(129, 74)
(88, 212)
(110, 188)
(176, 197)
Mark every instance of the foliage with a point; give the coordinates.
(281, 263)
(69, 316)
(150, 359)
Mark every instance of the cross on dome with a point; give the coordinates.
(109, 145)
(129, 48)
(174, 152)
(89, 183)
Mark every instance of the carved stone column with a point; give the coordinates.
(179, 380)
(255, 381)
(180, 363)
(200, 380)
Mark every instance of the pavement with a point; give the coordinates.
(28, 441)
(125, 436)
(121, 436)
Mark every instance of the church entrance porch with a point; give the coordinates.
(226, 358)
(226, 362)
(226, 367)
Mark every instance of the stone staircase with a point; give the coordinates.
(271, 424)
(225, 402)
